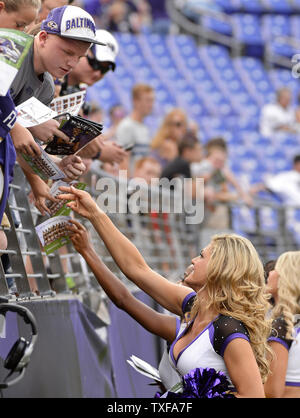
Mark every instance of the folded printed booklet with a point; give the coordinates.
(33, 112)
(60, 208)
(144, 368)
(80, 132)
(14, 46)
(44, 166)
(53, 233)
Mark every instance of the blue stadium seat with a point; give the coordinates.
(243, 219)
(293, 224)
(275, 25)
(162, 95)
(295, 25)
(258, 78)
(279, 6)
(283, 48)
(247, 28)
(290, 141)
(216, 25)
(241, 124)
(281, 77)
(296, 215)
(252, 6)
(216, 51)
(184, 41)
(257, 176)
(228, 6)
(104, 94)
(155, 39)
(269, 219)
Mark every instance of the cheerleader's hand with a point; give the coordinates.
(79, 237)
(81, 202)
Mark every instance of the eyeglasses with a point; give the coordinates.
(177, 123)
(104, 67)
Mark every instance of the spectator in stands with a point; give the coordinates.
(112, 169)
(189, 151)
(95, 112)
(286, 184)
(164, 145)
(269, 267)
(217, 178)
(93, 7)
(278, 117)
(284, 286)
(296, 125)
(144, 16)
(48, 5)
(161, 21)
(193, 9)
(127, 16)
(116, 114)
(132, 129)
(193, 127)
(231, 299)
(146, 169)
(101, 148)
(93, 66)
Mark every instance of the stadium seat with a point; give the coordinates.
(216, 25)
(282, 48)
(252, 6)
(295, 25)
(281, 77)
(278, 6)
(256, 79)
(247, 28)
(228, 6)
(296, 5)
(243, 220)
(268, 219)
(275, 25)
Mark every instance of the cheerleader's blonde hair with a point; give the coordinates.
(236, 287)
(288, 303)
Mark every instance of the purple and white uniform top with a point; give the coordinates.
(207, 349)
(293, 346)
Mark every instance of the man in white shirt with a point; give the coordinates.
(279, 116)
(287, 184)
(132, 130)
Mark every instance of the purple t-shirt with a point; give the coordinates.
(8, 117)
